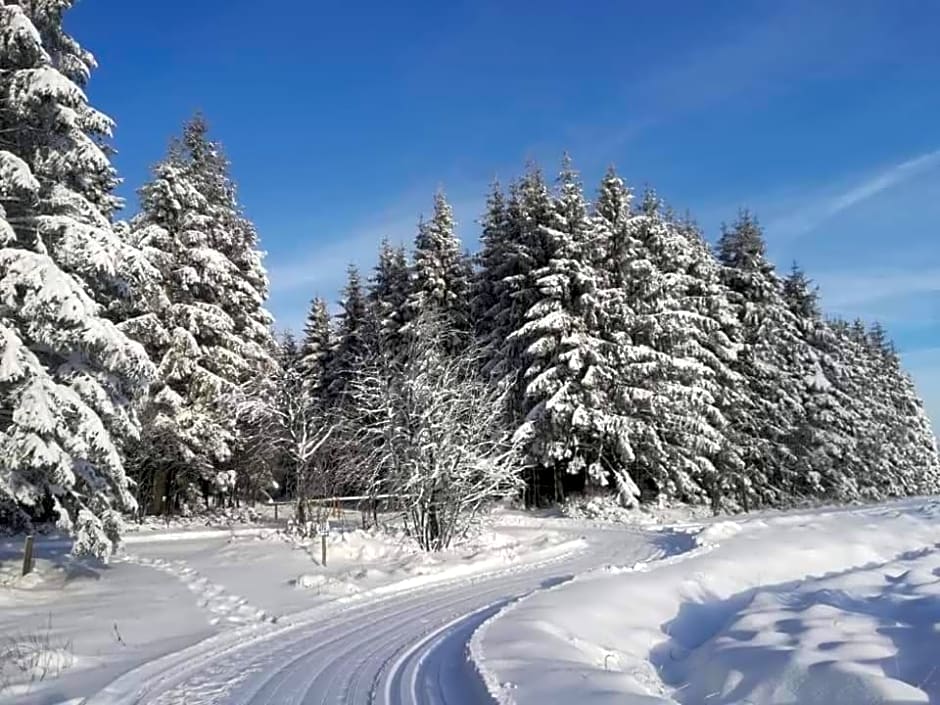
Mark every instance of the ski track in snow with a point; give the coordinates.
(223, 607)
(410, 647)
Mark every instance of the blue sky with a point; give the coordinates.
(342, 119)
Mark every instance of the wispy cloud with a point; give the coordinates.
(809, 218)
(757, 54)
(322, 272)
(885, 180)
(853, 289)
(766, 50)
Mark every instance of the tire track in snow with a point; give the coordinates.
(391, 648)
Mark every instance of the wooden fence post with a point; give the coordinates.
(28, 555)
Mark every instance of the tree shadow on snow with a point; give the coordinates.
(55, 554)
(672, 542)
(709, 662)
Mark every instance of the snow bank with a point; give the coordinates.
(606, 508)
(833, 607)
(216, 518)
(383, 561)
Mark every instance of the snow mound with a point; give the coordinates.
(860, 635)
(606, 508)
(218, 517)
(715, 533)
(834, 607)
(386, 560)
(325, 584)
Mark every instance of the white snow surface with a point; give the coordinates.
(822, 606)
(171, 589)
(816, 607)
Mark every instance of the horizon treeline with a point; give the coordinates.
(633, 355)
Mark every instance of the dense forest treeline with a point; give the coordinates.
(596, 340)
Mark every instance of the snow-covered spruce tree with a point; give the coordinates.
(441, 276)
(769, 363)
(626, 372)
(316, 348)
(912, 432)
(514, 291)
(352, 336)
(217, 331)
(67, 375)
(388, 295)
(866, 379)
(433, 434)
(896, 446)
(713, 343)
(569, 422)
(665, 314)
(823, 443)
(487, 288)
(716, 345)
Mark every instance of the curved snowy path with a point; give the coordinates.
(410, 647)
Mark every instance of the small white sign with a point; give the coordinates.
(323, 529)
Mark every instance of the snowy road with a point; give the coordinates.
(408, 647)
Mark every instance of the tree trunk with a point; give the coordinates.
(434, 525)
(158, 492)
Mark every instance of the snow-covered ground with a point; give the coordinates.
(71, 626)
(824, 607)
(815, 606)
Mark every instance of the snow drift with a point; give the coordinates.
(819, 607)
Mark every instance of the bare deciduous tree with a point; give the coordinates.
(430, 431)
(286, 423)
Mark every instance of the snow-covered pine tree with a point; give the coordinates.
(289, 352)
(912, 433)
(529, 210)
(485, 305)
(67, 374)
(352, 343)
(440, 284)
(664, 310)
(316, 348)
(388, 295)
(771, 348)
(217, 331)
(567, 418)
(235, 237)
(626, 370)
(823, 442)
(714, 342)
(866, 380)
(510, 247)
(897, 447)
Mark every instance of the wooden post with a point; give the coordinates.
(28, 555)
(323, 548)
(275, 511)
